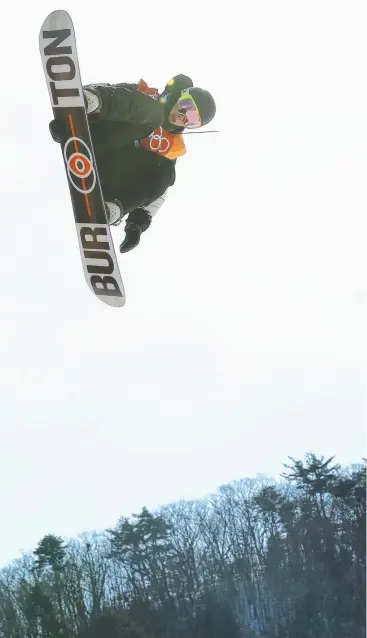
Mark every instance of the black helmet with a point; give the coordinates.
(205, 103)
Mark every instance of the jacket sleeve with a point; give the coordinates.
(147, 188)
(128, 106)
(143, 216)
(154, 207)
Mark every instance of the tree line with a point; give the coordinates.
(259, 558)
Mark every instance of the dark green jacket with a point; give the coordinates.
(129, 173)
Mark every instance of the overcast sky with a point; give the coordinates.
(242, 341)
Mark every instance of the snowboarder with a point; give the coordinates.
(136, 133)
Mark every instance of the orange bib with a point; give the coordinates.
(160, 141)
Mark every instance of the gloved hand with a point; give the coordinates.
(57, 130)
(132, 237)
(138, 221)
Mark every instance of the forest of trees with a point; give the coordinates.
(282, 559)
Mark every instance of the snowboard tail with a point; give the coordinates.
(61, 68)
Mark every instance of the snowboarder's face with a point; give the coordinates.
(176, 118)
(185, 113)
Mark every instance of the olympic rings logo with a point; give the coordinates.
(79, 165)
(159, 143)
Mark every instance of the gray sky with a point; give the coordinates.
(243, 338)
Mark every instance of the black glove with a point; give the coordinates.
(138, 221)
(132, 237)
(57, 130)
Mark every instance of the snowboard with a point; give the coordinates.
(60, 63)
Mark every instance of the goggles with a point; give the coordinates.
(188, 108)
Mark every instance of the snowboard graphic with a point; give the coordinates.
(61, 68)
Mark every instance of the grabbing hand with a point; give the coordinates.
(132, 237)
(138, 221)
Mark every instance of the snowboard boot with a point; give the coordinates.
(92, 101)
(93, 104)
(115, 212)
